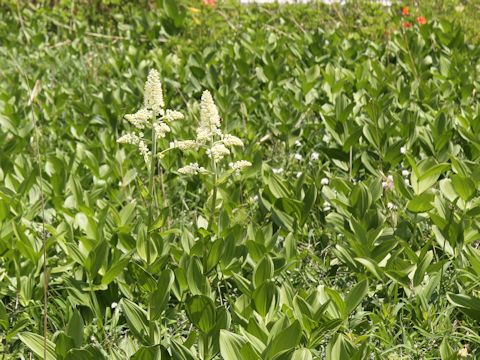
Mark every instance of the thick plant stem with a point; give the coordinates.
(151, 184)
(214, 195)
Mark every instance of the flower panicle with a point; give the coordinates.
(209, 118)
(152, 115)
(161, 129)
(209, 136)
(192, 169)
(218, 152)
(153, 94)
(140, 118)
(240, 165)
(184, 144)
(231, 140)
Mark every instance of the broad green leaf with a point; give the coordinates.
(63, 343)
(302, 354)
(197, 281)
(427, 176)
(286, 340)
(201, 312)
(465, 187)
(181, 352)
(468, 304)
(75, 328)
(231, 345)
(149, 353)
(127, 214)
(338, 348)
(87, 353)
(355, 296)
(282, 219)
(422, 266)
(3, 317)
(421, 203)
(160, 296)
(263, 271)
(137, 320)
(371, 266)
(36, 343)
(97, 258)
(265, 297)
(116, 269)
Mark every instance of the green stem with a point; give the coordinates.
(151, 184)
(214, 195)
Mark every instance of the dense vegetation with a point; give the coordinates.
(354, 234)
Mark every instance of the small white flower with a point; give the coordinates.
(240, 165)
(114, 305)
(184, 145)
(407, 182)
(161, 129)
(388, 184)
(327, 137)
(298, 143)
(403, 150)
(230, 140)
(218, 152)
(298, 157)
(324, 181)
(463, 352)
(140, 118)
(93, 338)
(172, 115)
(204, 134)
(326, 206)
(277, 171)
(129, 138)
(192, 169)
(299, 174)
(314, 156)
(391, 206)
(405, 173)
(144, 151)
(254, 198)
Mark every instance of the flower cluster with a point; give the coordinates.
(388, 184)
(421, 20)
(210, 137)
(152, 115)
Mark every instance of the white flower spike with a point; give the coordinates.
(153, 94)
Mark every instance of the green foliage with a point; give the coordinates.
(353, 235)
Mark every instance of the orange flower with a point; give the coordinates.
(407, 24)
(210, 2)
(421, 20)
(405, 11)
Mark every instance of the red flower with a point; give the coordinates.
(210, 2)
(405, 11)
(407, 24)
(421, 20)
